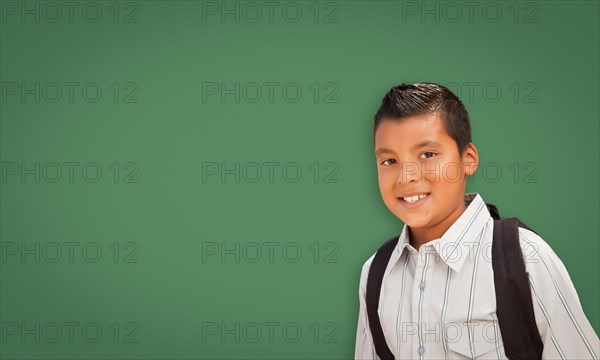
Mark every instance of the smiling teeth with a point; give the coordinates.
(412, 199)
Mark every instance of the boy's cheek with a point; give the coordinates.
(388, 196)
(449, 172)
(387, 180)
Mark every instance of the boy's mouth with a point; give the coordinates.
(414, 200)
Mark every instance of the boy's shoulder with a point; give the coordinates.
(530, 241)
(538, 255)
(367, 265)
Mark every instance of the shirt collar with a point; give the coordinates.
(451, 246)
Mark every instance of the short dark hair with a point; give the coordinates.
(424, 98)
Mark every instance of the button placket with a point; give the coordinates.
(422, 273)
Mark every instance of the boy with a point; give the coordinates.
(437, 296)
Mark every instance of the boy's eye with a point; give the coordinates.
(429, 152)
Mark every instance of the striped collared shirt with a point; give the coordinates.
(440, 302)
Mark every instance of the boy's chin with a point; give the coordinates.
(417, 226)
(412, 218)
(415, 222)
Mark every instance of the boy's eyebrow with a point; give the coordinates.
(418, 146)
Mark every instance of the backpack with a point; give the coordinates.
(516, 318)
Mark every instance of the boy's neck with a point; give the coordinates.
(420, 236)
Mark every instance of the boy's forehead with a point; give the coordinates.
(410, 132)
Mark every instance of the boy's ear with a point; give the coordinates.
(470, 159)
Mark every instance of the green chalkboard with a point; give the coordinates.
(195, 180)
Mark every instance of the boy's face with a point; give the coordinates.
(407, 165)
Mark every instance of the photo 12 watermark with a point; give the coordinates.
(70, 331)
(435, 171)
(486, 12)
(492, 92)
(69, 12)
(271, 172)
(52, 92)
(71, 172)
(272, 252)
(270, 12)
(270, 332)
(68, 252)
(291, 92)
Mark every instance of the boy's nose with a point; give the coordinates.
(409, 172)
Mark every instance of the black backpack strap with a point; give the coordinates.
(495, 214)
(514, 304)
(374, 280)
(522, 224)
(493, 211)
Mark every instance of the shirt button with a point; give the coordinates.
(422, 285)
(421, 349)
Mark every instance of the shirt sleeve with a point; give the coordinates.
(364, 349)
(563, 326)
